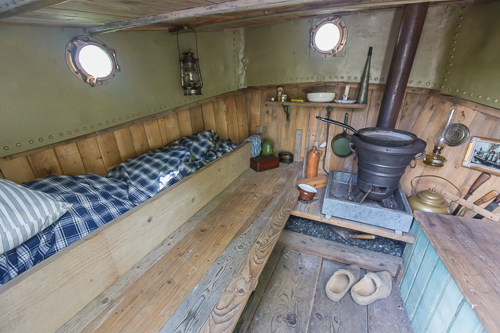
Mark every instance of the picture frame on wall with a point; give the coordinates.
(483, 154)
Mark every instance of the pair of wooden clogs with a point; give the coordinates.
(372, 287)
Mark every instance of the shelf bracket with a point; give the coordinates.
(287, 108)
(328, 111)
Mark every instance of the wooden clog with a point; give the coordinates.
(341, 281)
(372, 287)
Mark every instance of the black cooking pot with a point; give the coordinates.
(380, 167)
(380, 136)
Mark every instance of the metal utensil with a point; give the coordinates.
(456, 134)
(379, 136)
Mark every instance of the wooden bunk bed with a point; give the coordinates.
(250, 208)
(215, 230)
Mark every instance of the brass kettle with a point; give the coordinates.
(429, 200)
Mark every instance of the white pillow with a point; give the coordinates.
(24, 213)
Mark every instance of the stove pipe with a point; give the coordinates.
(402, 61)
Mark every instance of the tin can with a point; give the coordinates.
(284, 98)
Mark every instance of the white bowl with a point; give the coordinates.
(321, 97)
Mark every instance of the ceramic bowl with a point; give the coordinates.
(321, 97)
(307, 192)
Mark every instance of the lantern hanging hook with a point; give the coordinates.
(195, 38)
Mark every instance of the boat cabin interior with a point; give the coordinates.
(249, 166)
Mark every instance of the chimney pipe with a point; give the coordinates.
(402, 61)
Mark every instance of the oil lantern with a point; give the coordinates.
(191, 80)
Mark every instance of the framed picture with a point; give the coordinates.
(483, 154)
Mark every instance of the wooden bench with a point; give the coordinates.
(215, 230)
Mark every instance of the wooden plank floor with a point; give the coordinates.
(290, 297)
(312, 211)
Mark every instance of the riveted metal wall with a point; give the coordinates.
(473, 64)
(280, 53)
(42, 102)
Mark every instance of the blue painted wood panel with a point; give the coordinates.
(433, 300)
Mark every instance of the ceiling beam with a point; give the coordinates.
(9, 8)
(231, 7)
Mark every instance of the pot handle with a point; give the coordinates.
(413, 189)
(416, 158)
(352, 147)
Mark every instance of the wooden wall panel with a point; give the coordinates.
(153, 134)
(125, 144)
(172, 127)
(253, 100)
(17, 170)
(139, 138)
(185, 126)
(209, 117)
(70, 159)
(197, 119)
(220, 119)
(91, 156)
(232, 119)
(109, 150)
(242, 117)
(45, 163)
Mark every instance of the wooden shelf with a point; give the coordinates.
(322, 105)
(312, 211)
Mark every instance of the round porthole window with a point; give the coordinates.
(328, 36)
(91, 60)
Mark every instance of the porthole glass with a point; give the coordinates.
(95, 61)
(328, 36)
(91, 60)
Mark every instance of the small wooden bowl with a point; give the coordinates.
(307, 192)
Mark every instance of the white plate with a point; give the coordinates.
(341, 101)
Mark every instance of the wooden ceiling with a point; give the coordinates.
(98, 16)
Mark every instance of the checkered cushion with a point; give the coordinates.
(97, 200)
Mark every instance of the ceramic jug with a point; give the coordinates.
(312, 162)
(268, 147)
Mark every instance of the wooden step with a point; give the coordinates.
(369, 260)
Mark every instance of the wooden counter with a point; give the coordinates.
(468, 251)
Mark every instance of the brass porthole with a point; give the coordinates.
(91, 60)
(328, 36)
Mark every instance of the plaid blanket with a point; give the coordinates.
(97, 200)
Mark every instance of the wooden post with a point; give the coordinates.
(402, 61)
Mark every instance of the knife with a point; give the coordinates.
(481, 201)
(483, 177)
(491, 207)
(485, 198)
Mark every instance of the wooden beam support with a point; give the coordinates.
(9, 8)
(346, 254)
(402, 61)
(230, 7)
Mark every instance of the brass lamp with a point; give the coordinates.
(440, 141)
(191, 80)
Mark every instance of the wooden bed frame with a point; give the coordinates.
(47, 296)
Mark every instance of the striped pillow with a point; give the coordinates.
(24, 213)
